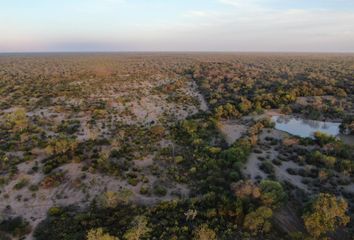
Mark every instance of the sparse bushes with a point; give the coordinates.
(53, 180)
(61, 145)
(17, 120)
(21, 184)
(69, 127)
(111, 138)
(267, 167)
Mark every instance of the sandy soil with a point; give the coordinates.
(251, 169)
(231, 130)
(282, 174)
(270, 153)
(132, 103)
(77, 188)
(347, 139)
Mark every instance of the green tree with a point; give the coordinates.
(245, 105)
(98, 234)
(219, 112)
(323, 138)
(230, 110)
(258, 221)
(329, 161)
(226, 111)
(139, 229)
(326, 214)
(273, 193)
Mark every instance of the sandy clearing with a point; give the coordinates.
(251, 169)
(282, 174)
(349, 188)
(231, 131)
(77, 188)
(145, 162)
(267, 114)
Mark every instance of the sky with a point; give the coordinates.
(177, 25)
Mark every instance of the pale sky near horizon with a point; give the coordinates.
(177, 25)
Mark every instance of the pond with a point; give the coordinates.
(304, 127)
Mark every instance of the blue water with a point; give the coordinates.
(303, 127)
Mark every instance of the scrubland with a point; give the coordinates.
(174, 146)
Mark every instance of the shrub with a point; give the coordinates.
(21, 184)
(160, 191)
(267, 167)
(54, 211)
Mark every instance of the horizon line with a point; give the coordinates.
(170, 51)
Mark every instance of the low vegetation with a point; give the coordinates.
(174, 146)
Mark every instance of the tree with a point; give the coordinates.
(245, 189)
(245, 105)
(347, 125)
(323, 138)
(219, 112)
(273, 193)
(112, 199)
(226, 111)
(109, 200)
(258, 221)
(98, 234)
(329, 161)
(326, 214)
(230, 110)
(238, 153)
(139, 229)
(203, 232)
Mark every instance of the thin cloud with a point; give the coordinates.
(245, 5)
(229, 25)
